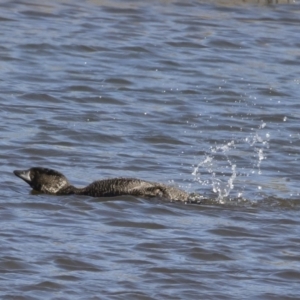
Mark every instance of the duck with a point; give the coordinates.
(49, 181)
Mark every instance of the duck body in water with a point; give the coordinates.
(49, 181)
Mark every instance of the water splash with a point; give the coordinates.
(221, 168)
(258, 143)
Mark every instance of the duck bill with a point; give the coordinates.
(23, 174)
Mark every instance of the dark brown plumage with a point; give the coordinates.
(53, 182)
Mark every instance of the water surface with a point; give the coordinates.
(198, 94)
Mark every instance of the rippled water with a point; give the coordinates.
(199, 94)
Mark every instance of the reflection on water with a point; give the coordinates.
(199, 94)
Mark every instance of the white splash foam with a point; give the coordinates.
(221, 168)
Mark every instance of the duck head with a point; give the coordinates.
(43, 180)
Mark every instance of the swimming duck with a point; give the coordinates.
(50, 181)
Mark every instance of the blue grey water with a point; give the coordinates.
(203, 95)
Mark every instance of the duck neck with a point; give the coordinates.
(70, 189)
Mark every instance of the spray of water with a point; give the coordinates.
(219, 168)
